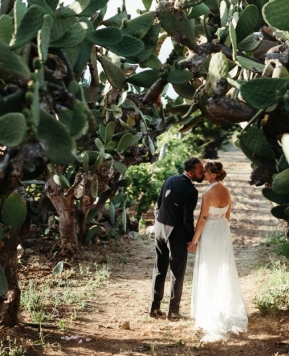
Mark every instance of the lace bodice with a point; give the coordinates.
(217, 213)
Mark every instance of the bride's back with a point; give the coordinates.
(218, 195)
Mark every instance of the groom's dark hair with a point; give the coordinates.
(190, 163)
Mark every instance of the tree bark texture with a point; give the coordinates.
(8, 260)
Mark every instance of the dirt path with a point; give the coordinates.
(118, 323)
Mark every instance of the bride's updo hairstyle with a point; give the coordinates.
(216, 168)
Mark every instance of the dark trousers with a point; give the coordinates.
(169, 253)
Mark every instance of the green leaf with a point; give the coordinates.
(126, 141)
(109, 131)
(99, 144)
(58, 268)
(120, 167)
(124, 183)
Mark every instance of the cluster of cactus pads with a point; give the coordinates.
(222, 65)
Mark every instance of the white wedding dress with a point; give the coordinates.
(217, 302)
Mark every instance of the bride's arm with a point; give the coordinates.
(201, 222)
(229, 208)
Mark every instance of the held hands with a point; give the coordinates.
(192, 247)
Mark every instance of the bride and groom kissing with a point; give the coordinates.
(217, 304)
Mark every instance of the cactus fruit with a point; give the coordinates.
(12, 138)
(14, 210)
(280, 183)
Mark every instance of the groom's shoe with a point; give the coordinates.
(177, 316)
(158, 314)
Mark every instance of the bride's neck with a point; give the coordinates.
(213, 181)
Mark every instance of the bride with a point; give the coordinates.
(218, 306)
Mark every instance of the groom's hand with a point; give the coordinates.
(191, 247)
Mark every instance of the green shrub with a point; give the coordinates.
(147, 179)
(273, 295)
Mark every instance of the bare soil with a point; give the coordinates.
(116, 320)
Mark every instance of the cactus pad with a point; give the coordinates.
(114, 74)
(276, 14)
(144, 79)
(60, 146)
(105, 36)
(127, 47)
(280, 183)
(14, 211)
(8, 137)
(3, 283)
(264, 92)
(269, 194)
(29, 26)
(139, 26)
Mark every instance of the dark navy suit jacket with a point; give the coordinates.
(175, 208)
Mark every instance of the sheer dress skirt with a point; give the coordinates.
(217, 303)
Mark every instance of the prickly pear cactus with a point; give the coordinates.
(3, 283)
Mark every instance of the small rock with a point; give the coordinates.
(125, 325)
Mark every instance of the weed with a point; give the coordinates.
(274, 288)
(12, 349)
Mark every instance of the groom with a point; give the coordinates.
(174, 228)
